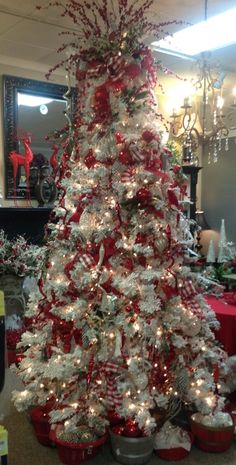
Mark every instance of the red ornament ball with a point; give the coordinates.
(131, 429)
(129, 309)
(114, 418)
(119, 138)
(133, 70)
(148, 136)
(136, 308)
(141, 239)
(19, 358)
(144, 195)
(118, 429)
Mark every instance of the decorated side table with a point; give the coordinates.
(226, 315)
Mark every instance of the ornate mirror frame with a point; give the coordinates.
(11, 86)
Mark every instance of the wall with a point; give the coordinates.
(29, 71)
(219, 190)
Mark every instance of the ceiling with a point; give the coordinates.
(30, 36)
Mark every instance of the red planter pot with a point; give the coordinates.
(40, 420)
(176, 453)
(75, 453)
(212, 439)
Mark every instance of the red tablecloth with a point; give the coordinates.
(226, 315)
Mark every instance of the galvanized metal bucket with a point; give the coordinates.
(131, 451)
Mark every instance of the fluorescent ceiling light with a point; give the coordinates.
(32, 100)
(217, 32)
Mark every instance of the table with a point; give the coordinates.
(230, 280)
(226, 315)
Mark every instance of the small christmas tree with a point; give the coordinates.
(121, 329)
(222, 254)
(211, 257)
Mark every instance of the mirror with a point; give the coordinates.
(35, 108)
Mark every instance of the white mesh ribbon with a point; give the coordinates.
(170, 437)
(217, 420)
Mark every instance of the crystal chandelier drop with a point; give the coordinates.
(209, 82)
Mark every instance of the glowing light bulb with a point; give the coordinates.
(220, 102)
(132, 406)
(136, 326)
(209, 401)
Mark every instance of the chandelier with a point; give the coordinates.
(202, 120)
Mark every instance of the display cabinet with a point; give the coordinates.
(27, 222)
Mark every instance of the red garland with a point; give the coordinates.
(125, 157)
(40, 285)
(172, 198)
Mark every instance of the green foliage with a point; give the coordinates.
(20, 258)
(175, 149)
(133, 99)
(220, 270)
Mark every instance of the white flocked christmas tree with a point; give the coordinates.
(120, 327)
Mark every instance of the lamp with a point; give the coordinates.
(210, 82)
(202, 225)
(206, 109)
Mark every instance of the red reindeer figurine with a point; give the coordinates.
(25, 160)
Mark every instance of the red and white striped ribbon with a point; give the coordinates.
(194, 306)
(114, 398)
(95, 71)
(152, 77)
(188, 290)
(116, 67)
(127, 175)
(188, 294)
(87, 261)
